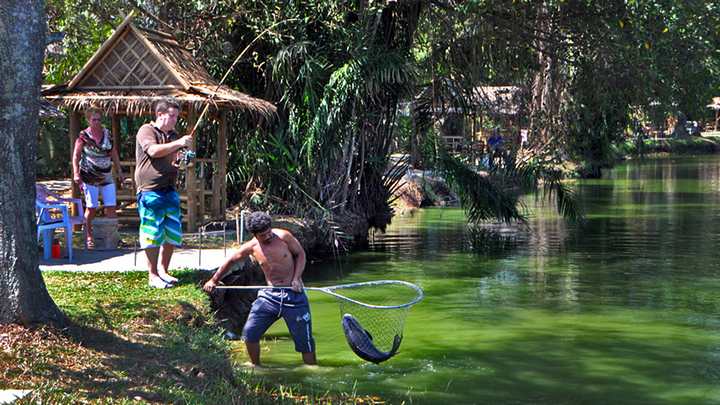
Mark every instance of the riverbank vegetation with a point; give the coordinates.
(357, 81)
(680, 146)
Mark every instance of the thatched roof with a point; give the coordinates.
(47, 110)
(136, 66)
(504, 100)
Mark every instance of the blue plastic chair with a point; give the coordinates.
(47, 203)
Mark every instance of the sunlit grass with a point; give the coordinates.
(131, 344)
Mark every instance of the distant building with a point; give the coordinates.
(503, 105)
(715, 105)
(465, 120)
(500, 107)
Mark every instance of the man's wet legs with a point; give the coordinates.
(309, 358)
(253, 349)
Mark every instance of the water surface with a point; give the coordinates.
(621, 310)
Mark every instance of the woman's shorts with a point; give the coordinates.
(160, 221)
(92, 193)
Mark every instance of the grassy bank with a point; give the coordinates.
(707, 144)
(129, 344)
(696, 145)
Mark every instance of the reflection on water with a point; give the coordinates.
(624, 309)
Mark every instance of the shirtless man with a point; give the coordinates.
(282, 259)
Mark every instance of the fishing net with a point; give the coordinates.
(372, 314)
(379, 309)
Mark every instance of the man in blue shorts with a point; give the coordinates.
(156, 150)
(282, 260)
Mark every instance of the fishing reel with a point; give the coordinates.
(185, 157)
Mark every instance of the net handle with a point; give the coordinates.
(329, 290)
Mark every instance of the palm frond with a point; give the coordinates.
(392, 179)
(483, 197)
(299, 73)
(544, 180)
(553, 189)
(495, 194)
(361, 82)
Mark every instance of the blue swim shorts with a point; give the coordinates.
(274, 303)
(160, 220)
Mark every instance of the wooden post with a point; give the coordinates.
(190, 181)
(480, 124)
(215, 199)
(201, 191)
(473, 137)
(115, 129)
(73, 132)
(216, 187)
(219, 202)
(237, 225)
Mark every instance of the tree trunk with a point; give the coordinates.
(23, 296)
(415, 140)
(547, 85)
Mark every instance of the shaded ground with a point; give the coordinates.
(130, 344)
(156, 352)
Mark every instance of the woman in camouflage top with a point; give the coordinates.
(92, 162)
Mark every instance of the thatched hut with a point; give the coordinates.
(501, 103)
(132, 70)
(48, 111)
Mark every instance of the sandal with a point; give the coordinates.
(158, 283)
(168, 278)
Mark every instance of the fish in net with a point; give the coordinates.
(373, 316)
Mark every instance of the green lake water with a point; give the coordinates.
(622, 310)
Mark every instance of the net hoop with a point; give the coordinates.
(330, 290)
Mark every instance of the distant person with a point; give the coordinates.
(92, 161)
(640, 137)
(680, 129)
(156, 149)
(282, 260)
(495, 147)
(495, 142)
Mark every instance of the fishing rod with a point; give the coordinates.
(227, 73)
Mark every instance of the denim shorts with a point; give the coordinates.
(274, 303)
